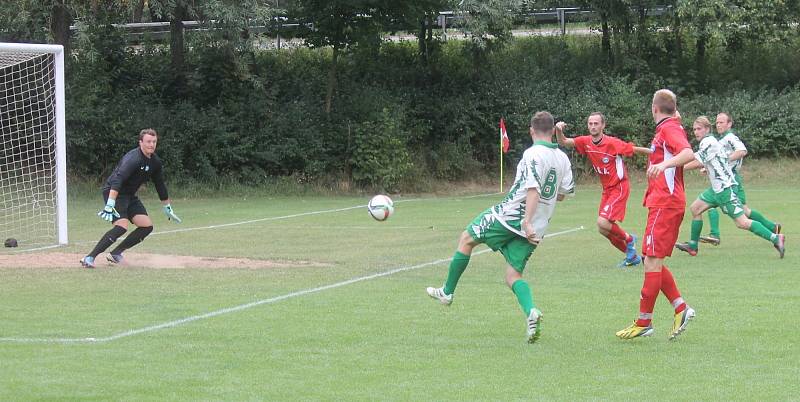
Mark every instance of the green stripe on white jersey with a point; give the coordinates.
(544, 167)
(712, 155)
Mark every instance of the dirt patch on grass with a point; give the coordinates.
(142, 260)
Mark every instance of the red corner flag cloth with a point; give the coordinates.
(504, 135)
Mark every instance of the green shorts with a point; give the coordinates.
(726, 200)
(740, 189)
(486, 229)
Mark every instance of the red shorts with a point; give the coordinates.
(661, 232)
(614, 201)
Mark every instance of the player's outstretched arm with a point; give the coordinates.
(695, 164)
(561, 138)
(682, 158)
(642, 150)
(169, 212)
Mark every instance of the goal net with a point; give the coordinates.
(33, 205)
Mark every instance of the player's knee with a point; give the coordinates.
(743, 223)
(146, 230)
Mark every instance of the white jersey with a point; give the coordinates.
(730, 143)
(713, 156)
(543, 167)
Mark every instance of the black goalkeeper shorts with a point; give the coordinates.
(128, 206)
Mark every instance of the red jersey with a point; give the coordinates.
(606, 157)
(666, 190)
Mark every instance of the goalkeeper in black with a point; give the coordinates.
(123, 207)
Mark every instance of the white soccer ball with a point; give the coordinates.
(380, 207)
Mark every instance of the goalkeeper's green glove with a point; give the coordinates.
(171, 214)
(109, 213)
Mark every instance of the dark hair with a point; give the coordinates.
(542, 122)
(602, 116)
(147, 131)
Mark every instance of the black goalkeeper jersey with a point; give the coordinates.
(134, 170)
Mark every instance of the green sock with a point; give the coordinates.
(756, 216)
(697, 227)
(457, 267)
(524, 296)
(713, 221)
(762, 232)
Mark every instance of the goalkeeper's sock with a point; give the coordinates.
(107, 240)
(524, 295)
(133, 239)
(762, 232)
(457, 266)
(756, 216)
(650, 289)
(713, 221)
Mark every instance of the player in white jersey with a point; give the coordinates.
(735, 151)
(722, 193)
(517, 224)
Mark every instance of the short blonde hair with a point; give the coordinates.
(703, 121)
(666, 101)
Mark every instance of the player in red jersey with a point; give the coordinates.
(665, 200)
(606, 155)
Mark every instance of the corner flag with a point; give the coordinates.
(504, 143)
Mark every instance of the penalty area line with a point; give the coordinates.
(186, 320)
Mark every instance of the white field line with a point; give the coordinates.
(175, 323)
(273, 218)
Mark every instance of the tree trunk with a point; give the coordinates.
(138, 9)
(331, 80)
(61, 19)
(700, 58)
(423, 44)
(176, 47)
(606, 42)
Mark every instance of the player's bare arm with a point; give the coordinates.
(695, 164)
(531, 203)
(642, 151)
(736, 155)
(682, 158)
(561, 138)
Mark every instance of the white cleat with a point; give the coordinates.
(438, 293)
(681, 320)
(534, 325)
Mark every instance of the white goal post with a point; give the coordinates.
(33, 162)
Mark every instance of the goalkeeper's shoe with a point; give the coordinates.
(87, 262)
(635, 331)
(115, 259)
(777, 228)
(687, 248)
(710, 239)
(534, 325)
(438, 293)
(680, 322)
(636, 260)
(780, 244)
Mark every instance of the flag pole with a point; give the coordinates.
(501, 161)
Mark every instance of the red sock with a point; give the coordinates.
(617, 242)
(618, 232)
(652, 284)
(670, 290)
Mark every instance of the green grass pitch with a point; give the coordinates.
(384, 338)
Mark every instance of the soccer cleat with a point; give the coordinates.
(87, 262)
(115, 259)
(630, 252)
(629, 263)
(777, 228)
(438, 293)
(635, 331)
(534, 325)
(687, 248)
(712, 240)
(680, 322)
(779, 245)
